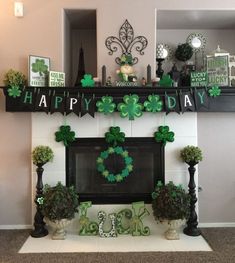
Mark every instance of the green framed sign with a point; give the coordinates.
(217, 70)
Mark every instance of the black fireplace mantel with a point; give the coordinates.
(223, 103)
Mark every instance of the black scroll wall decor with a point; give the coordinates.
(126, 42)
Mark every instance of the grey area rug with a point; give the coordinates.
(221, 240)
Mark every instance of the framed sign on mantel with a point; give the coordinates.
(39, 68)
(217, 70)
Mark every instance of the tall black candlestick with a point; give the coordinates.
(148, 74)
(104, 75)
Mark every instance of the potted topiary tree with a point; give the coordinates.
(14, 81)
(60, 203)
(40, 156)
(14, 78)
(192, 155)
(170, 204)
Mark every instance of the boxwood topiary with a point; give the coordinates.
(191, 154)
(42, 154)
(170, 202)
(59, 202)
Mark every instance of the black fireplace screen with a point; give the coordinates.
(81, 171)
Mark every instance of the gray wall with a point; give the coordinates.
(216, 172)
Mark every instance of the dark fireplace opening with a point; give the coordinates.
(81, 170)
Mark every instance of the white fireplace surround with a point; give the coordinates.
(183, 125)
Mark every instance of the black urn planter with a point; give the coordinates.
(192, 223)
(39, 224)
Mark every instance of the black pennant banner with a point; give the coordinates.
(57, 103)
(43, 100)
(187, 102)
(27, 98)
(201, 99)
(172, 103)
(38, 99)
(88, 105)
(73, 104)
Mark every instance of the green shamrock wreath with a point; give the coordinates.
(214, 91)
(164, 135)
(87, 81)
(153, 104)
(113, 137)
(14, 91)
(110, 176)
(106, 105)
(65, 135)
(130, 108)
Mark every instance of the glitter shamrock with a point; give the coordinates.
(40, 200)
(130, 108)
(14, 91)
(166, 81)
(106, 105)
(65, 135)
(87, 81)
(154, 103)
(114, 136)
(214, 91)
(164, 135)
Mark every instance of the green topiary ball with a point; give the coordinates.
(184, 52)
(191, 154)
(170, 202)
(42, 154)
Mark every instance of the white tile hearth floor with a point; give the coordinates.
(76, 243)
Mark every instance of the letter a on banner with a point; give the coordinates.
(43, 100)
(187, 102)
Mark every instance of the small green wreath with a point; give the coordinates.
(110, 176)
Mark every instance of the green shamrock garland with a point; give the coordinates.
(130, 108)
(164, 135)
(14, 91)
(65, 135)
(106, 105)
(114, 136)
(154, 103)
(214, 91)
(87, 81)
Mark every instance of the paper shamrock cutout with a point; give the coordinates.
(106, 105)
(130, 108)
(87, 81)
(114, 136)
(214, 91)
(166, 81)
(154, 103)
(65, 135)
(40, 67)
(14, 91)
(164, 135)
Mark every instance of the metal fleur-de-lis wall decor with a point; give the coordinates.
(126, 42)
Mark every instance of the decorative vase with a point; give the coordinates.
(39, 224)
(59, 228)
(172, 233)
(191, 228)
